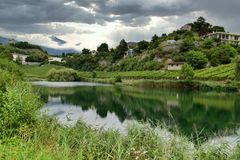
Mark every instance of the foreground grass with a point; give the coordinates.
(50, 141)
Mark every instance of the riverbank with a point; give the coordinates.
(219, 78)
(25, 134)
(48, 140)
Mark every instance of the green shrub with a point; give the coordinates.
(18, 108)
(62, 75)
(237, 69)
(187, 72)
(196, 59)
(118, 79)
(94, 74)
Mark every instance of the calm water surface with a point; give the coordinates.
(106, 106)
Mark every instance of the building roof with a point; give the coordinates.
(232, 34)
(175, 63)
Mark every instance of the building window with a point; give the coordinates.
(227, 36)
(236, 38)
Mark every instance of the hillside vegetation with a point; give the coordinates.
(182, 45)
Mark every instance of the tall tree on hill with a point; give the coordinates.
(154, 42)
(120, 50)
(86, 51)
(154, 38)
(103, 48)
(201, 26)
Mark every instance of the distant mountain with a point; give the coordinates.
(56, 51)
(4, 40)
(51, 51)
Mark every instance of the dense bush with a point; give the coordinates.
(118, 79)
(196, 59)
(62, 75)
(11, 68)
(222, 55)
(37, 57)
(18, 108)
(187, 72)
(5, 53)
(237, 69)
(25, 45)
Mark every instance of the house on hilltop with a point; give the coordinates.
(174, 66)
(225, 37)
(186, 27)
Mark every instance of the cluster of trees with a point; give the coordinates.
(37, 56)
(5, 53)
(25, 45)
(202, 27)
(194, 50)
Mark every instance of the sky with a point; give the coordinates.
(82, 24)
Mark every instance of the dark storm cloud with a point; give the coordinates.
(41, 11)
(59, 41)
(26, 15)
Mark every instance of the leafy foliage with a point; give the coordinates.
(5, 53)
(120, 50)
(222, 55)
(26, 45)
(103, 48)
(62, 75)
(196, 59)
(86, 51)
(18, 108)
(187, 72)
(237, 69)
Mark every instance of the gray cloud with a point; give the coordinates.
(59, 41)
(37, 16)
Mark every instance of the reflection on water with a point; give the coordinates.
(204, 113)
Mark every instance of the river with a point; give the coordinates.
(191, 113)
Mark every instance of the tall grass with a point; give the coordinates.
(24, 134)
(48, 140)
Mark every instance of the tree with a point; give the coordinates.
(154, 42)
(187, 45)
(196, 59)
(86, 51)
(142, 45)
(103, 48)
(208, 43)
(187, 72)
(237, 69)
(154, 38)
(5, 53)
(201, 26)
(164, 35)
(222, 55)
(120, 50)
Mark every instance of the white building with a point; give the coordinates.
(129, 52)
(23, 58)
(186, 27)
(55, 59)
(174, 66)
(225, 37)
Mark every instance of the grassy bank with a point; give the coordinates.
(27, 135)
(38, 72)
(48, 140)
(216, 78)
(220, 73)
